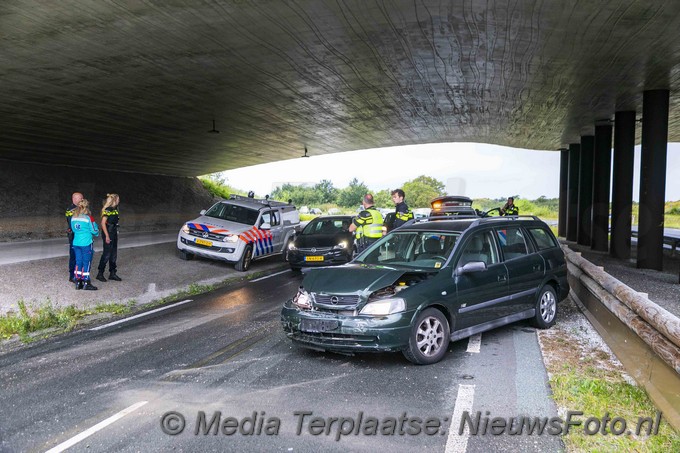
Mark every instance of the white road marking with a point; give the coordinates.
(475, 343)
(456, 443)
(270, 275)
(99, 426)
(120, 321)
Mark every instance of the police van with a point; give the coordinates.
(239, 230)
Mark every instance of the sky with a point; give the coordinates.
(471, 169)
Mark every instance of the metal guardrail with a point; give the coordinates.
(644, 336)
(670, 237)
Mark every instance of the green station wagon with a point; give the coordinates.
(429, 283)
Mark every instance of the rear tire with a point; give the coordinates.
(429, 338)
(244, 263)
(546, 308)
(186, 256)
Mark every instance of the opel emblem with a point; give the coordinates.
(335, 300)
(313, 249)
(205, 235)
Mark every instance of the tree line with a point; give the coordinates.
(419, 192)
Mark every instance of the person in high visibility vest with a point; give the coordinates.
(367, 225)
(402, 213)
(509, 208)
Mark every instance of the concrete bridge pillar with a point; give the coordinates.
(585, 192)
(622, 186)
(653, 178)
(601, 180)
(564, 179)
(572, 190)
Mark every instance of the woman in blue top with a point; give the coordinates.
(84, 229)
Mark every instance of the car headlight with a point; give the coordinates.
(185, 229)
(230, 238)
(302, 299)
(384, 307)
(340, 246)
(291, 246)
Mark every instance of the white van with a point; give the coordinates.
(239, 230)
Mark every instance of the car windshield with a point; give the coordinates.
(233, 213)
(326, 226)
(420, 249)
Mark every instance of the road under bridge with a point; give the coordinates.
(187, 88)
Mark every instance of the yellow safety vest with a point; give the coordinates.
(370, 228)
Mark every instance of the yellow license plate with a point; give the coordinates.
(313, 258)
(204, 242)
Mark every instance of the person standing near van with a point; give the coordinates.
(110, 218)
(84, 229)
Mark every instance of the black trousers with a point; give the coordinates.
(365, 243)
(110, 253)
(71, 256)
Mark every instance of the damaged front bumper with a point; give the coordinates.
(343, 333)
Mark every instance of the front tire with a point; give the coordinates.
(244, 263)
(429, 338)
(546, 308)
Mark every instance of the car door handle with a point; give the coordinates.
(502, 278)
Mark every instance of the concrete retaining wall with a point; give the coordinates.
(34, 197)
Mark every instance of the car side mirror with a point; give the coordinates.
(471, 267)
(265, 226)
(202, 212)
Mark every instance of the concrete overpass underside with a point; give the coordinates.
(135, 85)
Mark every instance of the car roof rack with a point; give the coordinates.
(439, 217)
(508, 217)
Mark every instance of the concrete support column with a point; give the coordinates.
(622, 186)
(564, 176)
(601, 180)
(585, 192)
(572, 190)
(653, 179)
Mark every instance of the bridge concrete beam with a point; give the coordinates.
(622, 185)
(601, 181)
(572, 190)
(653, 159)
(585, 192)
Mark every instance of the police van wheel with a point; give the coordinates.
(244, 263)
(186, 256)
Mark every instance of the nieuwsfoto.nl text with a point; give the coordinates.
(474, 424)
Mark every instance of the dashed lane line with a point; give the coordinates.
(99, 426)
(474, 343)
(146, 313)
(457, 443)
(270, 275)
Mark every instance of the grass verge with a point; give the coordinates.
(586, 377)
(47, 319)
(29, 319)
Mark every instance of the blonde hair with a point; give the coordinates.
(82, 208)
(112, 199)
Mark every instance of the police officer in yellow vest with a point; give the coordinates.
(367, 225)
(509, 208)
